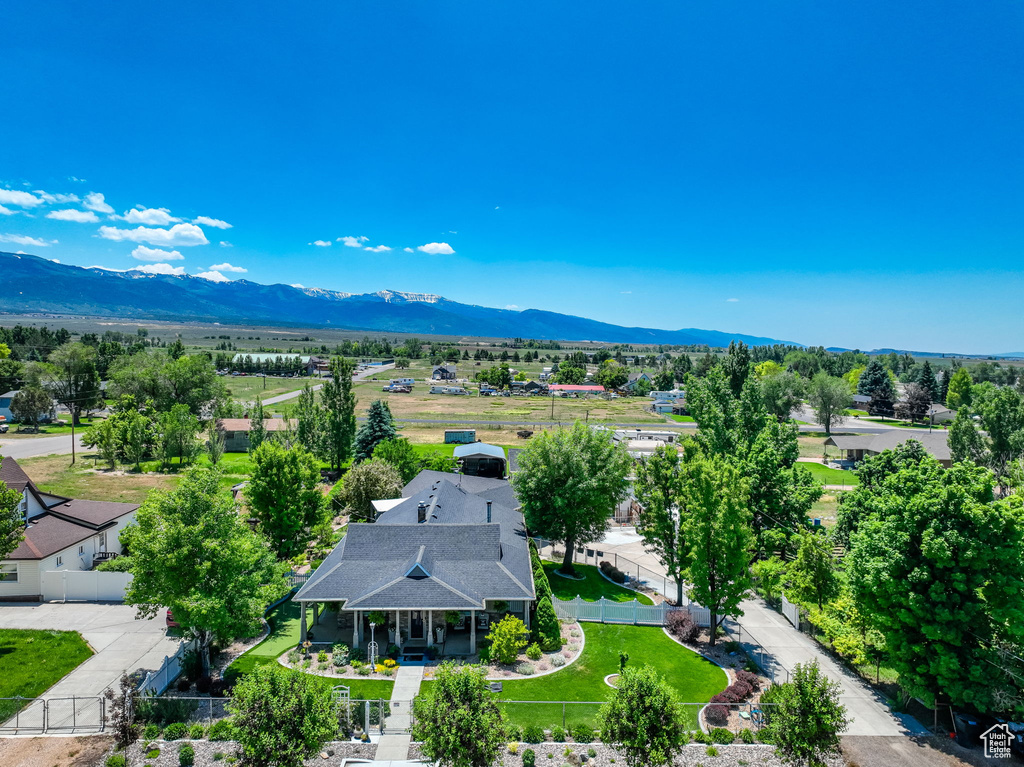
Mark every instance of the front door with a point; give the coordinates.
(416, 625)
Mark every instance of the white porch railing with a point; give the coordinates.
(632, 612)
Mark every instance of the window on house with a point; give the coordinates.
(60, 561)
(103, 541)
(8, 573)
(81, 550)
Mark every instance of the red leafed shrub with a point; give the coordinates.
(681, 625)
(749, 678)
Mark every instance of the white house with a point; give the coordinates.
(675, 395)
(60, 534)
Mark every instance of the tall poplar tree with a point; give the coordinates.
(339, 422)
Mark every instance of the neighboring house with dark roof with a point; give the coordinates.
(634, 379)
(857, 447)
(443, 373)
(236, 431)
(451, 544)
(60, 534)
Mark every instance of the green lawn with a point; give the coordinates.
(680, 418)
(693, 677)
(33, 661)
(593, 587)
(284, 623)
(903, 424)
(248, 388)
(828, 475)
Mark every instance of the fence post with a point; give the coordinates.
(636, 605)
(601, 600)
(563, 714)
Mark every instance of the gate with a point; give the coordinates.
(63, 715)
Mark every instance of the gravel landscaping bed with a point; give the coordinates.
(206, 751)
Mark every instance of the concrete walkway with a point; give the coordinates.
(394, 743)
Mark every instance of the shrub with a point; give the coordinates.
(582, 733)
(184, 684)
(203, 684)
(186, 756)
(513, 748)
(701, 737)
(717, 715)
(681, 625)
(321, 657)
(721, 735)
(293, 657)
(191, 665)
(152, 731)
(753, 680)
(573, 647)
(220, 687)
(513, 732)
(363, 671)
(526, 669)
(196, 732)
(339, 661)
(547, 630)
(747, 736)
(508, 637)
(485, 654)
(153, 753)
(529, 758)
(117, 760)
(222, 729)
(533, 652)
(175, 731)
(557, 734)
(557, 661)
(533, 733)
(711, 751)
(592, 753)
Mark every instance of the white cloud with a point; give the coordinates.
(437, 248)
(60, 198)
(55, 260)
(451, 232)
(378, 249)
(94, 201)
(226, 244)
(513, 307)
(149, 216)
(496, 207)
(226, 267)
(626, 292)
(6, 211)
(408, 250)
(160, 269)
(142, 253)
(216, 223)
(321, 243)
(81, 216)
(297, 285)
(23, 239)
(731, 300)
(213, 276)
(353, 242)
(177, 235)
(21, 199)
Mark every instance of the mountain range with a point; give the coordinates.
(30, 284)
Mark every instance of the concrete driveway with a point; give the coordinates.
(121, 643)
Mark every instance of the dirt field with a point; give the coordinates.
(54, 474)
(54, 751)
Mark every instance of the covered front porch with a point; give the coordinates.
(448, 632)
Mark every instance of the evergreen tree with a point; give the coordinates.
(379, 426)
(736, 366)
(874, 377)
(547, 630)
(926, 378)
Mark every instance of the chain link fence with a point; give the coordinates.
(59, 715)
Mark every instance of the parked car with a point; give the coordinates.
(4, 427)
(171, 623)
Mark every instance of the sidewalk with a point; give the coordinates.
(394, 743)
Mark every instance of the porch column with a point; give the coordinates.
(526, 613)
(355, 629)
(316, 613)
(472, 631)
(398, 628)
(302, 622)
(359, 625)
(430, 627)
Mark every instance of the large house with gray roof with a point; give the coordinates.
(453, 545)
(856, 447)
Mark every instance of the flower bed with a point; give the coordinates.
(338, 662)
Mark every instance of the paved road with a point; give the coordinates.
(785, 647)
(121, 643)
(33, 446)
(357, 377)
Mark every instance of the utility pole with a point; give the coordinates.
(72, 439)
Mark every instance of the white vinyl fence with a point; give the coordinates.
(791, 612)
(84, 586)
(606, 611)
(158, 681)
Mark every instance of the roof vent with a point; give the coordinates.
(421, 513)
(489, 512)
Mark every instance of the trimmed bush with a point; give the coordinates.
(529, 758)
(533, 733)
(526, 669)
(203, 684)
(151, 731)
(682, 626)
(721, 735)
(117, 760)
(558, 734)
(186, 756)
(175, 731)
(222, 729)
(582, 733)
(747, 736)
(557, 661)
(196, 732)
(747, 677)
(547, 630)
(533, 652)
(514, 733)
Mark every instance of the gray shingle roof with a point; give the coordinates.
(464, 559)
(935, 443)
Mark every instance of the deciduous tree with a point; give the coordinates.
(569, 483)
(193, 553)
(659, 489)
(31, 404)
(339, 423)
(400, 453)
(959, 394)
(459, 723)
(284, 495)
(12, 521)
(74, 381)
(643, 719)
(804, 717)
(829, 397)
(812, 574)
(370, 481)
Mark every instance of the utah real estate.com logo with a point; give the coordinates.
(997, 741)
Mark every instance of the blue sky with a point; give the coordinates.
(837, 173)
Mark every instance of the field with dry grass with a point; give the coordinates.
(55, 474)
